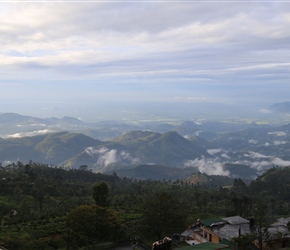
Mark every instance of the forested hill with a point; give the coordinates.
(274, 182)
(221, 148)
(75, 149)
(44, 207)
(283, 107)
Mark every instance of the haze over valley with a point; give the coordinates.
(232, 148)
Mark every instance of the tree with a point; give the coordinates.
(261, 225)
(239, 186)
(100, 194)
(93, 224)
(162, 214)
(38, 194)
(83, 168)
(243, 241)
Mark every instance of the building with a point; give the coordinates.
(217, 233)
(216, 230)
(279, 234)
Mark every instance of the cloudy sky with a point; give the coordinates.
(73, 57)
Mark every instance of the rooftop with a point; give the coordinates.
(236, 220)
(213, 222)
(206, 246)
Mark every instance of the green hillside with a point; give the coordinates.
(60, 146)
(275, 183)
(154, 172)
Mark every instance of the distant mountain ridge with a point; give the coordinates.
(282, 107)
(141, 147)
(75, 149)
(9, 118)
(215, 148)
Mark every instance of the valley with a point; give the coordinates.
(232, 149)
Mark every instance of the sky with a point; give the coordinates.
(106, 59)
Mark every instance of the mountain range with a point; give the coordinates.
(75, 149)
(283, 107)
(146, 150)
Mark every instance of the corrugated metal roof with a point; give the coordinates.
(236, 220)
(230, 231)
(284, 220)
(213, 222)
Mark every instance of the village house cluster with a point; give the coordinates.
(218, 233)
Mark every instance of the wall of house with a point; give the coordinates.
(198, 238)
(279, 243)
(213, 238)
(210, 236)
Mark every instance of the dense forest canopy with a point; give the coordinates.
(40, 205)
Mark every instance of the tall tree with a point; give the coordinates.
(261, 225)
(239, 186)
(162, 215)
(90, 224)
(38, 193)
(100, 193)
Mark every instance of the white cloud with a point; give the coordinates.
(214, 151)
(214, 166)
(92, 151)
(262, 162)
(272, 161)
(32, 125)
(108, 158)
(127, 157)
(278, 143)
(31, 133)
(252, 141)
(225, 156)
(265, 111)
(280, 162)
(200, 48)
(255, 155)
(261, 165)
(278, 133)
(207, 166)
(62, 32)
(105, 156)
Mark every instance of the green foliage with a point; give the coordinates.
(274, 182)
(169, 148)
(261, 223)
(36, 198)
(93, 224)
(162, 215)
(240, 187)
(100, 193)
(244, 242)
(63, 145)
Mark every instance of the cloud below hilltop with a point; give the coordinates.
(216, 164)
(208, 166)
(105, 157)
(30, 133)
(72, 57)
